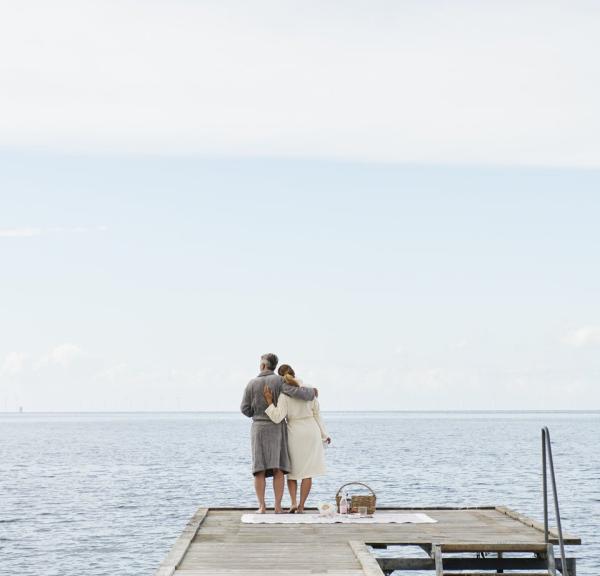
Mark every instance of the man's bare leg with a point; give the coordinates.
(293, 490)
(259, 487)
(304, 492)
(278, 482)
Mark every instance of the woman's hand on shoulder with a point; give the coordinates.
(268, 395)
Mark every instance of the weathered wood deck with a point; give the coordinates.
(216, 542)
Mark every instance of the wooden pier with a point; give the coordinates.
(483, 541)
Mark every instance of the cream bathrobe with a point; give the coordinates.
(306, 433)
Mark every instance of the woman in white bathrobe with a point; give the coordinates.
(306, 434)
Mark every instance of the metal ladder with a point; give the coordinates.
(547, 451)
(548, 549)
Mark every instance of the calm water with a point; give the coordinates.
(100, 494)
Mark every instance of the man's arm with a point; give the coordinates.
(299, 392)
(246, 406)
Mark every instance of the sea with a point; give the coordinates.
(100, 494)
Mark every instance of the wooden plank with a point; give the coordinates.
(270, 572)
(463, 563)
(567, 538)
(177, 552)
(368, 562)
(535, 547)
(488, 574)
(273, 554)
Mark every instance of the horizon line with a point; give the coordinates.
(418, 411)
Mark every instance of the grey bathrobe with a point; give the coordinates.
(269, 440)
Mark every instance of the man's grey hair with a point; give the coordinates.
(270, 361)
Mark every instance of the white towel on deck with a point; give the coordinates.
(377, 518)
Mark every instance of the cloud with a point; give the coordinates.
(411, 81)
(63, 355)
(584, 337)
(400, 350)
(29, 232)
(13, 363)
(19, 232)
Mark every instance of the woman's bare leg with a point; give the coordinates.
(293, 490)
(259, 487)
(278, 483)
(304, 492)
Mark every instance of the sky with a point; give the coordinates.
(400, 199)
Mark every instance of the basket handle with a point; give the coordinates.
(359, 483)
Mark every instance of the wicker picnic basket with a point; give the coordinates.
(368, 500)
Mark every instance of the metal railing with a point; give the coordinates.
(547, 450)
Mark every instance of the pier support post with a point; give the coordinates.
(550, 560)
(437, 557)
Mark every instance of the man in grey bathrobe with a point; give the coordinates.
(269, 440)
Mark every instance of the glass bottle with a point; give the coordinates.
(343, 505)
